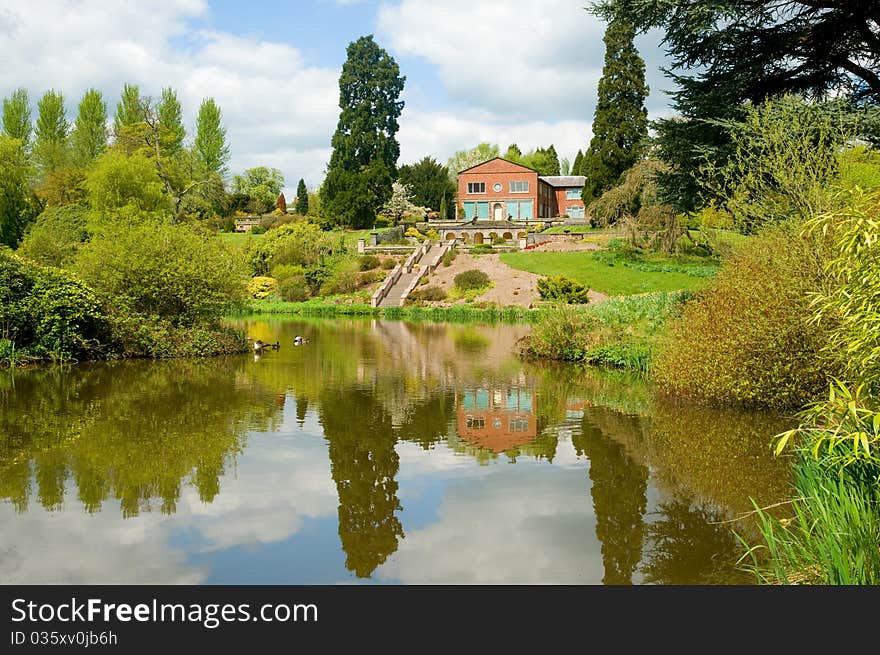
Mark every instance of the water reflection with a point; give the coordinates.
(378, 451)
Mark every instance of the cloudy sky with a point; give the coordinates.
(501, 71)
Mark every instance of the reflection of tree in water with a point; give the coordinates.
(619, 487)
(364, 464)
(691, 545)
(134, 431)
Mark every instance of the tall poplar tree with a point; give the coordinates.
(17, 117)
(171, 129)
(620, 125)
(302, 198)
(50, 143)
(210, 144)
(365, 148)
(89, 136)
(129, 110)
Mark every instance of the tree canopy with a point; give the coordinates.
(620, 124)
(429, 183)
(365, 148)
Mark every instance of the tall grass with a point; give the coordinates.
(833, 536)
(619, 333)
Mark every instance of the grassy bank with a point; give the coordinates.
(619, 333)
(613, 274)
(328, 307)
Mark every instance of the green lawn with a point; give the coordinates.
(572, 229)
(238, 239)
(614, 280)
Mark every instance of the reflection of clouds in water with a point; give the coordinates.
(70, 547)
(264, 497)
(498, 530)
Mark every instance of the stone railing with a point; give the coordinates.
(426, 269)
(389, 282)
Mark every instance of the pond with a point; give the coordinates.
(376, 452)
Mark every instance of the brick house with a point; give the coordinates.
(499, 190)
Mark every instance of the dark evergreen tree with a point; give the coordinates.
(726, 52)
(365, 148)
(578, 164)
(429, 183)
(552, 159)
(302, 198)
(513, 153)
(620, 124)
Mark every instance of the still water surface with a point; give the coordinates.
(379, 452)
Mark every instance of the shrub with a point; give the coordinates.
(472, 279)
(343, 279)
(299, 244)
(433, 234)
(748, 338)
(414, 233)
(383, 221)
(285, 271)
(563, 289)
(449, 257)
(482, 249)
(429, 294)
(262, 287)
(294, 289)
(46, 311)
(371, 277)
(258, 229)
(55, 237)
(156, 269)
(368, 262)
(388, 263)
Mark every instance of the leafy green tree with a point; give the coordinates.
(620, 124)
(513, 153)
(56, 235)
(210, 144)
(429, 183)
(50, 144)
(260, 184)
(401, 203)
(464, 159)
(129, 110)
(171, 129)
(167, 271)
(727, 52)
(17, 117)
(543, 160)
(89, 136)
(365, 148)
(18, 206)
(302, 198)
(119, 180)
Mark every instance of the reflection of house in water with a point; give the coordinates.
(497, 419)
(574, 408)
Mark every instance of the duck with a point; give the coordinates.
(299, 340)
(260, 346)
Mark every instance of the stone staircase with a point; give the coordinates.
(395, 295)
(404, 278)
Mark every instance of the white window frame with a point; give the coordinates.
(581, 210)
(519, 182)
(577, 194)
(473, 185)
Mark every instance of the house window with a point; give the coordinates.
(573, 194)
(483, 210)
(476, 422)
(519, 187)
(476, 187)
(525, 210)
(575, 212)
(470, 209)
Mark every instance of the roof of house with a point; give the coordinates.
(515, 163)
(564, 180)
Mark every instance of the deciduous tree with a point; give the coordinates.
(50, 144)
(210, 145)
(89, 135)
(17, 117)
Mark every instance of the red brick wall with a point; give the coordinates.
(502, 172)
(562, 203)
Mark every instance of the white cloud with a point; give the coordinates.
(278, 110)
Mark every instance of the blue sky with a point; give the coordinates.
(501, 71)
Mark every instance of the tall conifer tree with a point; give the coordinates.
(365, 148)
(620, 125)
(302, 198)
